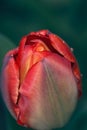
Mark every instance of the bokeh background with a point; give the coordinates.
(66, 18)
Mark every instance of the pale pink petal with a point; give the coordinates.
(48, 94)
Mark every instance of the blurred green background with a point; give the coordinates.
(66, 18)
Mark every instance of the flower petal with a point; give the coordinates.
(61, 46)
(10, 82)
(48, 94)
(29, 58)
(57, 45)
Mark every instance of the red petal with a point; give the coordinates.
(40, 35)
(64, 50)
(29, 58)
(57, 45)
(21, 50)
(47, 90)
(10, 82)
(61, 47)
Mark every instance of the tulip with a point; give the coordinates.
(41, 81)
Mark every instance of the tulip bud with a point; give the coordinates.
(41, 81)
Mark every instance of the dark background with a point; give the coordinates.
(66, 18)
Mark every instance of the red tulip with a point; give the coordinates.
(41, 81)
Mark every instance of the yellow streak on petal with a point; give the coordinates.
(26, 64)
(40, 45)
(31, 55)
(40, 48)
